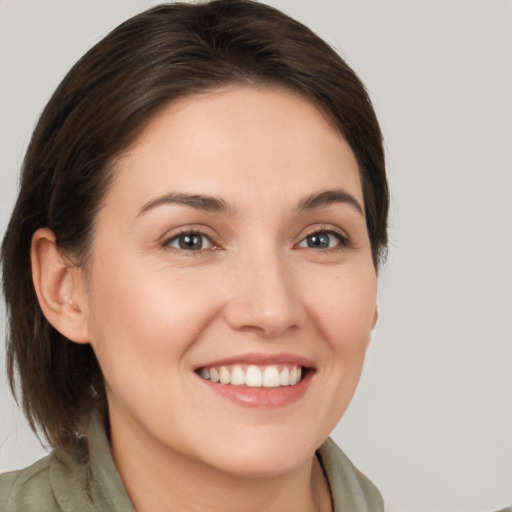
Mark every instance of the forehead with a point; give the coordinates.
(239, 140)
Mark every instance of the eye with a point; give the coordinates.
(190, 241)
(323, 240)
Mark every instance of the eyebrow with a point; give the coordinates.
(198, 201)
(214, 204)
(328, 197)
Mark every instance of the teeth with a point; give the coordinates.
(237, 376)
(253, 376)
(214, 375)
(295, 376)
(270, 377)
(224, 375)
(284, 377)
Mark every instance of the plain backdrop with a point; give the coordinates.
(431, 422)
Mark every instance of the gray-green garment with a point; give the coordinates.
(57, 483)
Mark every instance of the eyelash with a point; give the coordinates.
(190, 232)
(343, 240)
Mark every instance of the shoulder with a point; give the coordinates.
(84, 481)
(56, 483)
(350, 489)
(28, 489)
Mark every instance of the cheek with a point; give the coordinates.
(345, 309)
(146, 322)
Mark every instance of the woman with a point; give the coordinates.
(190, 269)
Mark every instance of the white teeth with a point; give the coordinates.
(237, 376)
(295, 376)
(224, 375)
(284, 377)
(214, 375)
(254, 376)
(270, 377)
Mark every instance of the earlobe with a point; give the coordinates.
(58, 287)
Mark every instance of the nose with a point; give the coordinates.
(264, 297)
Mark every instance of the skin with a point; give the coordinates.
(154, 312)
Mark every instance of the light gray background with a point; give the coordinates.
(431, 422)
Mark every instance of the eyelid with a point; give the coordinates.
(330, 229)
(190, 229)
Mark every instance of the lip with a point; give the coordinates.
(261, 398)
(261, 360)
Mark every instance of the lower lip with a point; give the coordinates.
(263, 398)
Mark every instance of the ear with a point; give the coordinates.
(59, 287)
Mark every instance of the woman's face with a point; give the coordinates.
(232, 244)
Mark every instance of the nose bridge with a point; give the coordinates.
(264, 295)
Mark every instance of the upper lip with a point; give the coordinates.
(261, 360)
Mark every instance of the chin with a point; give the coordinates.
(261, 457)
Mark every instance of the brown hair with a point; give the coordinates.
(95, 114)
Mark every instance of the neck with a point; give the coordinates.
(162, 480)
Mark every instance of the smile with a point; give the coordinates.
(253, 376)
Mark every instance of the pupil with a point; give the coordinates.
(191, 242)
(319, 240)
